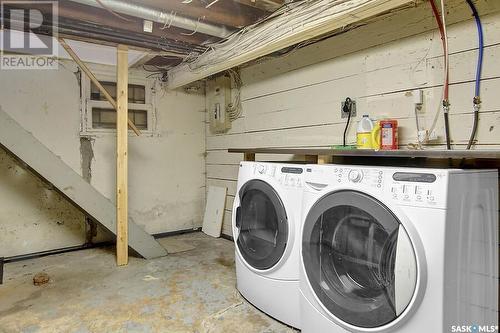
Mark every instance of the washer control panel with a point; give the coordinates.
(412, 187)
(418, 188)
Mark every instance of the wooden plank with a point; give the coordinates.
(267, 113)
(96, 82)
(347, 80)
(122, 156)
(221, 171)
(473, 154)
(412, 32)
(331, 134)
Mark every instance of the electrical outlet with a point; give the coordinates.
(147, 26)
(433, 136)
(424, 134)
(346, 114)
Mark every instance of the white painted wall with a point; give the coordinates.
(294, 101)
(166, 170)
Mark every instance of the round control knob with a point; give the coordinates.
(261, 169)
(355, 176)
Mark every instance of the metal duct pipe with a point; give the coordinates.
(160, 17)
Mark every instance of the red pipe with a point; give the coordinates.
(439, 22)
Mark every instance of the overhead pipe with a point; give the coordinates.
(158, 16)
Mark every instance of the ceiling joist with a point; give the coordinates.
(226, 12)
(102, 17)
(167, 18)
(267, 5)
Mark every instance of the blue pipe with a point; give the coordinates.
(481, 46)
(477, 98)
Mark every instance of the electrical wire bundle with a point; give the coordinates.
(286, 21)
(234, 109)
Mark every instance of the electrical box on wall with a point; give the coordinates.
(219, 98)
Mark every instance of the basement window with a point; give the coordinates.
(136, 93)
(106, 118)
(99, 117)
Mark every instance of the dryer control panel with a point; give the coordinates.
(288, 176)
(369, 177)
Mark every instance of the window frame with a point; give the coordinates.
(87, 104)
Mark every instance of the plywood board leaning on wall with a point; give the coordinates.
(214, 211)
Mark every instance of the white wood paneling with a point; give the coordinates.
(294, 101)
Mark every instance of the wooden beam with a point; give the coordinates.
(92, 77)
(267, 5)
(226, 12)
(152, 55)
(249, 157)
(96, 16)
(122, 156)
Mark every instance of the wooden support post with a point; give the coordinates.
(249, 157)
(122, 156)
(324, 159)
(92, 78)
(311, 159)
(1, 270)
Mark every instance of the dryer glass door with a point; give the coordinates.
(262, 223)
(358, 259)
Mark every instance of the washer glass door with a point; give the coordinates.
(262, 223)
(358, 259)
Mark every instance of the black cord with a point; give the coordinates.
(474, 129)
(347, 108)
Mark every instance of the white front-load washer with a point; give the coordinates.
(399, 249)
(266, 221)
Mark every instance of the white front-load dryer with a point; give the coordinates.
(266, 220)
(399, 249)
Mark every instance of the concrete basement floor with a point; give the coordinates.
(190, 291)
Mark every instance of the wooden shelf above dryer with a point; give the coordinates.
(455, 158)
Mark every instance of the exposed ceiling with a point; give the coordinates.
(169, 45)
